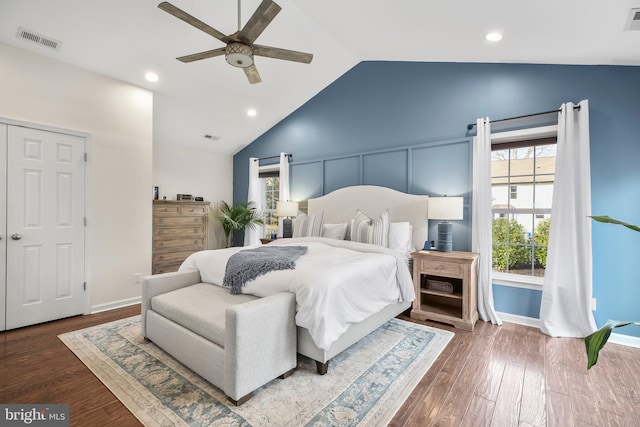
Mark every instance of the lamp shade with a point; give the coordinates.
(287, 208)
(445, 208)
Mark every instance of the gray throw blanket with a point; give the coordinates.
(246, 265)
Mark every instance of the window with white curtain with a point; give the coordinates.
(522, 179)
(270, 191)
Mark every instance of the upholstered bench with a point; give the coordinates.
(236, 342)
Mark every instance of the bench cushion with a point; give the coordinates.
(200, 308)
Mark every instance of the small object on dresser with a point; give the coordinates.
(184, 197)
(156, 193)
(439, 286)
(199, 199)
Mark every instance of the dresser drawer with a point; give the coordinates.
(440, 268)
(166, 268)
(166, 210)
(195, 243)
(171, 232)
(160, 221)
(171, 257)
(194, 210)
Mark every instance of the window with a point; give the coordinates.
(270, 182)
(514, 192)
(522, 179)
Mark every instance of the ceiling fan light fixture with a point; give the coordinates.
(239, 55)
(493, 37)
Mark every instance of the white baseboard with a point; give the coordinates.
(115, 304)
(519, 320)
(621, 339)
(627, 340)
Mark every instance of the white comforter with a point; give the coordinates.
(336, 283)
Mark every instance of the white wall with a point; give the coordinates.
(199, 173)
(118, 117)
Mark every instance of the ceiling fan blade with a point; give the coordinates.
(202, 55)
(277, 53)
(252, 74)
(263, 15)
(191, 20)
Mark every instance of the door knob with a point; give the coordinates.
(16, 236)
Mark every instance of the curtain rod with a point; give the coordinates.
(273, 157)
(471, 125)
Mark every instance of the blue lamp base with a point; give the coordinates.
(445, 237)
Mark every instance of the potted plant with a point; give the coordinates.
(237, 217)
(596, 341)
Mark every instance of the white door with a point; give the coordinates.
(3, 224)
(45, 226)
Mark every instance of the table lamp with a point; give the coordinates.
(287, 210)
(445, 209)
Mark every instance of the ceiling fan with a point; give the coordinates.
(240, 48)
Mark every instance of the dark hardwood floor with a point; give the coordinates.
(495, 376)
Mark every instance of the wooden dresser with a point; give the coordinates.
(180, 228)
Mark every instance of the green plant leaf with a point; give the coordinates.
(608, 220)
(237, 217)
(596, 341)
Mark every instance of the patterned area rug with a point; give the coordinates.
(366, 384)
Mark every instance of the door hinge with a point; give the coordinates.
(85, 221)
(86, 157)
(84, 286)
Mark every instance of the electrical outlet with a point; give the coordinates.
(137, 278)
(593, 304)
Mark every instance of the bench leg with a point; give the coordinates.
(241, 400)
(322, 368)
(286, 374)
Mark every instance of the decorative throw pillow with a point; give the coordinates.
(300, 225)
(314, 226)
(400, 236)
(366, 230)
(334, 231)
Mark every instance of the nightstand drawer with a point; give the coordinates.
(440, 268)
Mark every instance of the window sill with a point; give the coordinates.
(517, 281)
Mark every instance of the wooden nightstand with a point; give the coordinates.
(446, 285)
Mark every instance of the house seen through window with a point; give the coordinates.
(522, 179)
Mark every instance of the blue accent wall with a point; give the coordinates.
(519, 301)
(381, 107)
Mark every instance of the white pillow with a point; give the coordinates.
(401, 236)
(300, 225)
(314, 226)
(366, 230)
(334, 231)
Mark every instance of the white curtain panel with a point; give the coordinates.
(566, 297)
(284, 183)
(252, 235)
(481, 219)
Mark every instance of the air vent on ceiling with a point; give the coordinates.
(212, 137)
(38, 38)
(633, 20)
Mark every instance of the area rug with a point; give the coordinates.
(365, 386)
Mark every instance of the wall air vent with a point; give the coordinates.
(38, 38)
(633, 20)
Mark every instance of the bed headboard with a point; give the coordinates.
(340, 206)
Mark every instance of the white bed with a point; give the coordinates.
(344, 290)
(339, 206)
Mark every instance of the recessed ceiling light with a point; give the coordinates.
(152, 77)
(493, 37)
(251, 112)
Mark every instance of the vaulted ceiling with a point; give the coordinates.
(125, 39)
